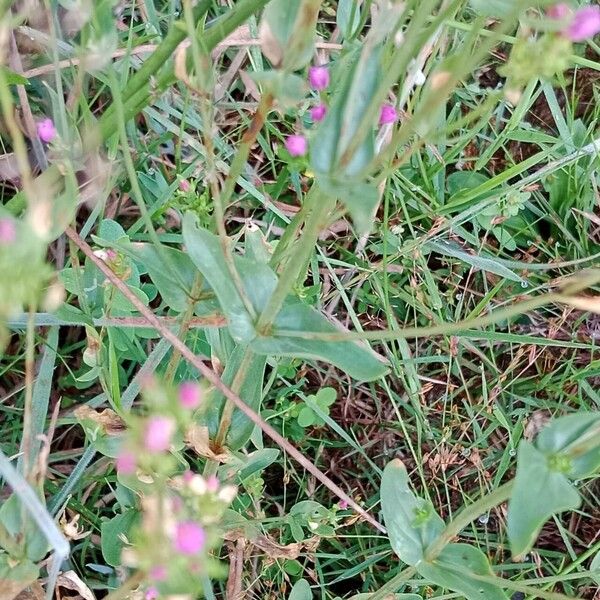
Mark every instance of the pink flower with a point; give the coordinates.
(317, 113)
(158, 573)
(158, 434)
(126, 463)
(188, 476)
(8, 232)
(189, 538)
(559, 11)
(585, 24)
(296, 145)
(190, 395)
(184, 185)
(46, 130)
(212, 483)
(343, 504)
(388, 114)
(318, 77)
(151, 593)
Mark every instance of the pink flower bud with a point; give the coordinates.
(151, 593)
(296, 145)
(158, 573)
(190, 395)
(158, 434)
(317, 113)
(585, 24)
(184, 185)
(126, 463)
(388, 114)
(559, 11)
(343, 504)
(8, 232)
(188, 476)
(190, 538)
(212, 483)
(46, 130)
(318, 77)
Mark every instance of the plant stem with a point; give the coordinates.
(393, 584)
(28, 403)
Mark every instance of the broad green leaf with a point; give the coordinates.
(113, 533)
(301, 591)
(562, 434)
(352, 97)
(595, 568)
(205, 250)
(452, 570)
(411, 522)
(479, 262)
(356, 359)
(348, 17)
(538, 493)
(14, 578)
(463, 181)
(250, 392)
(359, 198)
(13, 78)
(495, 8)
(288, 32)
(306, 417)
(175, 280)
(287, 88)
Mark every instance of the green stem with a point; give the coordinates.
(393, 584)
(417, 332)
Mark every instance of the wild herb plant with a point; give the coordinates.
(202, 316)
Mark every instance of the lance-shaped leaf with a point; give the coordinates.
(456, 569)
(411, 522)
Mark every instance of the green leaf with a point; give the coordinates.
(287, 88)
(301, 591)
(595, 568)
(411, 522)
(306, 417)
(359, 198)
(494, 8)
(570, 430)
(452, 570)
(175, 280)
(114, 532)
(325, 397)
(205, 250)
(479, 262)
(13, 78)
(356, 359)
(250, 392)
(14, 578)
(348, 17)
(257, 461)
(288, 32)
(538, 493)
(352, 98)
(388, 597)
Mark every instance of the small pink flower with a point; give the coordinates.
(317, 113)
(151, 593)
(158, 573)
(184, 185)
(190, 538)
(46, 130)
(188, 476)
(212, 483)
(8, 232)
(158, 434)
(190, 395)
(296, 145)
(126, 463)
(318, 77)
(559, 11)
(343, 504)
(388, 114)
(585, 24)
